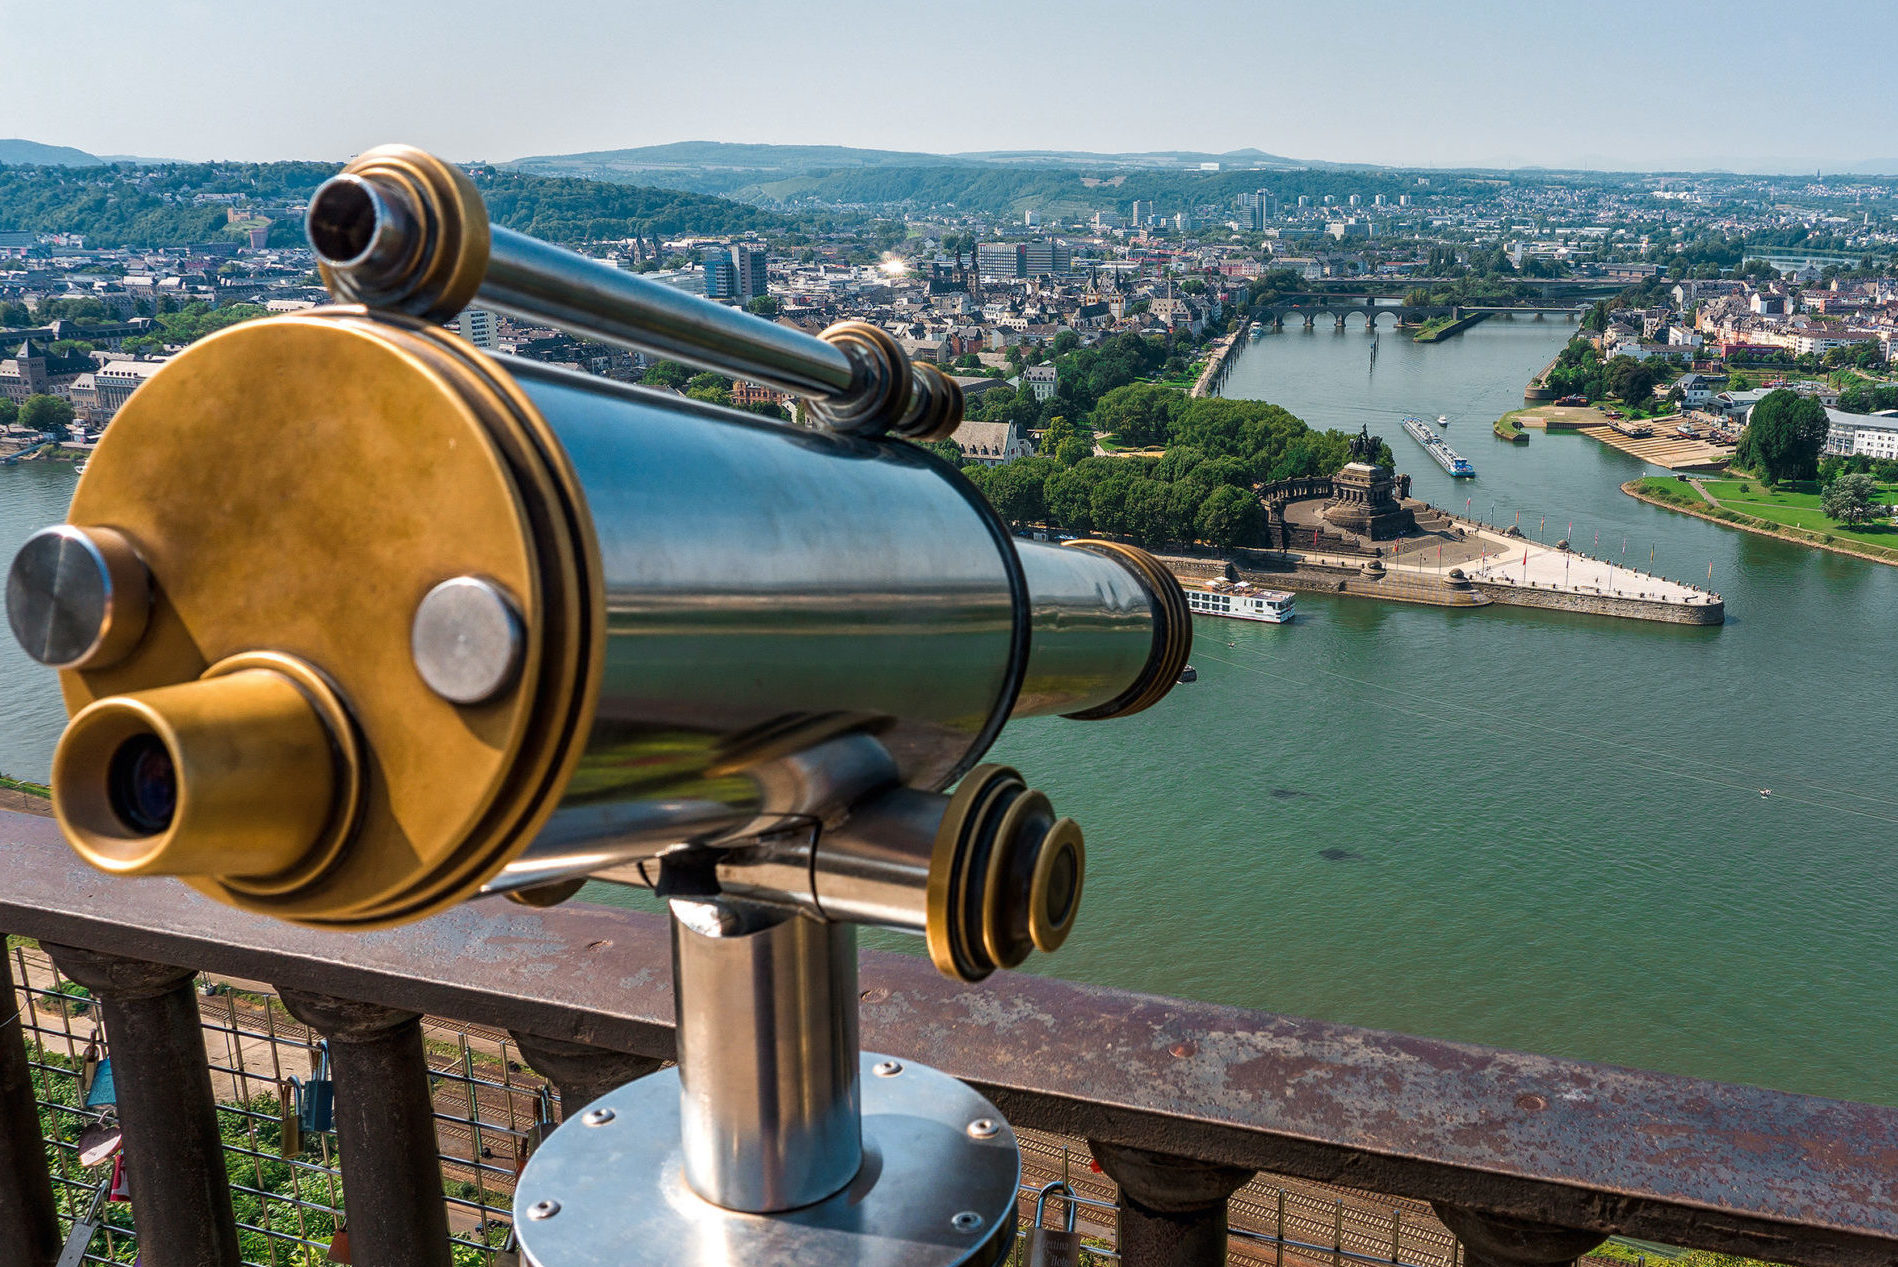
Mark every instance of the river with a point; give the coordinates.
(1503, 825)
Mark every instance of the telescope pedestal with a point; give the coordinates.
(615, 1193)
(774, 1141)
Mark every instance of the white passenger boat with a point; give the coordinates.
(1444, 456)
(1240, 600)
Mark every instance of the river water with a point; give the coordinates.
(1506, 826)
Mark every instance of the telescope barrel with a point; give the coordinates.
(400, 230)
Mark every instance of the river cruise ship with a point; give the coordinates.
(1445, 456)
(1240, 600)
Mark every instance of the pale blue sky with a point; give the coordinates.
(1609, 83)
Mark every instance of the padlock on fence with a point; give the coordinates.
(1054, 1247)
(542, 1127)
(102, 1092)
(316, 1099)
(289, 1120)
(88, 1068)
(339, 1251)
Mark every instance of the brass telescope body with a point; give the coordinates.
(682, 604)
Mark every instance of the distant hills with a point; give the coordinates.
(14, 150)
(724, 156)
(1006, 182)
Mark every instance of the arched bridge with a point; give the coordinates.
(1310, 310)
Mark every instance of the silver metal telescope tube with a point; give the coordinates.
(538, 281)
(742, 628)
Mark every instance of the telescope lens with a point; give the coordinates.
(342, 220)
(142, 785)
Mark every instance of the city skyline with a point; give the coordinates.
(1619, 86)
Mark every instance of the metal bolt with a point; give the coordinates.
(598, 1117)
(983, 1128)
(467, 640)
(77, 598)
(543, 1209)
(967, 1221)
(887, 1068)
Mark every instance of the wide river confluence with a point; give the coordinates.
(1502, 825)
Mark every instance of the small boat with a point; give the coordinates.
(1442, 421)
(80, 469)
(1189, 674)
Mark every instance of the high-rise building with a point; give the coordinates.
(1259, 207)
(1000, 260)
(751, 264)
(1039, 258)
(1142, 212)
(721, 274)
(1353, 200)
(1304, 200)
(477, 325)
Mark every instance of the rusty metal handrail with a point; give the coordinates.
(1552, 1143)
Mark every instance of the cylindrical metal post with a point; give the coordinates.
(29, 1227)
(1172, 1210)
(385, 1124)
(174, 1158)
(770, 1115)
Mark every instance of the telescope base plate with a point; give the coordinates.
(619, 1198)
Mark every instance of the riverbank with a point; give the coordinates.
(1681, 496)
(1507, 428)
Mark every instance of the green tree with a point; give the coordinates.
(1850, 499)
(47, 413)
(764, 306)
(1783, 437)
(1139, 413)
(1229, 517)
(668, 374)
(9, 412)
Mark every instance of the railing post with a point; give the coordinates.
(581, 1073)
(1493, 1240)
(1172, 1209)
(385, 1126)
(29, 1223)
(174, 1156)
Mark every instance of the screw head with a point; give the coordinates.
(983, 1128)
(467, 640)
(887, 1068)
(543, 1209)
(967, 1221)
(598, 1117)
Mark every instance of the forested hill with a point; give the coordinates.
(123, 205)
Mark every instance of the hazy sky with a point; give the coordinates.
(1624, 83)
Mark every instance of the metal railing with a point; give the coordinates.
(1529, 1160)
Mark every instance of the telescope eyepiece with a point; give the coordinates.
(347, 218)
(142, 784)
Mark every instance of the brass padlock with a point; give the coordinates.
(1051, 1247)
(289, 1120)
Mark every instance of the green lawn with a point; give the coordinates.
(1798, 505)
(1795, 506)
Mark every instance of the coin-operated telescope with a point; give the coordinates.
(356, 622)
